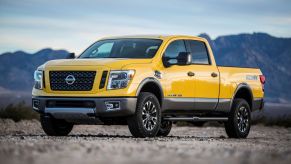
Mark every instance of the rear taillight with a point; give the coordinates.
(262, 79)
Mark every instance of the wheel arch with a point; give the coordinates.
(151, 85)
(244, 91)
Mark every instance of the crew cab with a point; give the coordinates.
(146, 82)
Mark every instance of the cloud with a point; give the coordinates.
(74, 25)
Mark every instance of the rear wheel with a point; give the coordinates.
(147, 118)
(165, 128)
(238, 124)
(55, 127)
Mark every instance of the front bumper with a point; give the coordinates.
(83, 108)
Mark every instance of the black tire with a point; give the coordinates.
(141, 123)
(55, 127)
(165, 128)
(238, 124)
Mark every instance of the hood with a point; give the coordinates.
(111, 63)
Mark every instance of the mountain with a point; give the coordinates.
(17, 68)
(271, 54)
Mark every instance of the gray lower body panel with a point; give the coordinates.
(224, 105)
(178, 103)
(205, 103)
(192, 104)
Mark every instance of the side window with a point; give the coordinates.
(174, 49)
(199, 52)
(103, 50)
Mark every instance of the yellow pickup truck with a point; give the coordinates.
(147, 83)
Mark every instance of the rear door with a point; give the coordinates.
(206, 89)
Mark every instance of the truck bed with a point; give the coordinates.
(230, 77)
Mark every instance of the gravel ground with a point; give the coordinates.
(24, 142)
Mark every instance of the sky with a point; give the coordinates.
(30, 25)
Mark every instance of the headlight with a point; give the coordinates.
(119, 79)
(38, 79)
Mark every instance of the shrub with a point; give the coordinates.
(18, 112)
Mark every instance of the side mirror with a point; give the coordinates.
(184, 58)
(71, 56)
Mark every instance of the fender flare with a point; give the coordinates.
(150, 80)
(239, 87)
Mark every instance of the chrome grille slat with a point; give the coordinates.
(84, 80)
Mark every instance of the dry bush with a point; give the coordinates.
(18, 112)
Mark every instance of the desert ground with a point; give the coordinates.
(24, 142)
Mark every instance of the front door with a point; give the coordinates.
(178, 85)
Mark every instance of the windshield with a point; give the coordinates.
(123, 48)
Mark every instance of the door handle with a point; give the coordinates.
(213, 74)
(191, 73)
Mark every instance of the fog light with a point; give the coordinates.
(112, 105)
(35, 104)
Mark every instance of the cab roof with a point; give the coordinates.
(152, 36)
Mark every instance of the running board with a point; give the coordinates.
(196, 118)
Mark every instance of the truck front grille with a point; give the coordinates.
(72, 80)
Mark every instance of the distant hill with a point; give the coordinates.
(16, 69)
(271, 54)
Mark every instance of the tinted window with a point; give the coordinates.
(199, 52)
(174, 49)
(123, 48)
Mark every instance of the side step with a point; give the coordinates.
(196, 118)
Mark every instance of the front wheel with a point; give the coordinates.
(147, 118)
(55, 127)
(238, 124)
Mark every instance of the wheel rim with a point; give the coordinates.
(149, 115)
(242, 119)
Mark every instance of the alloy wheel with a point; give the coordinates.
(242, 119)
(149, 115)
